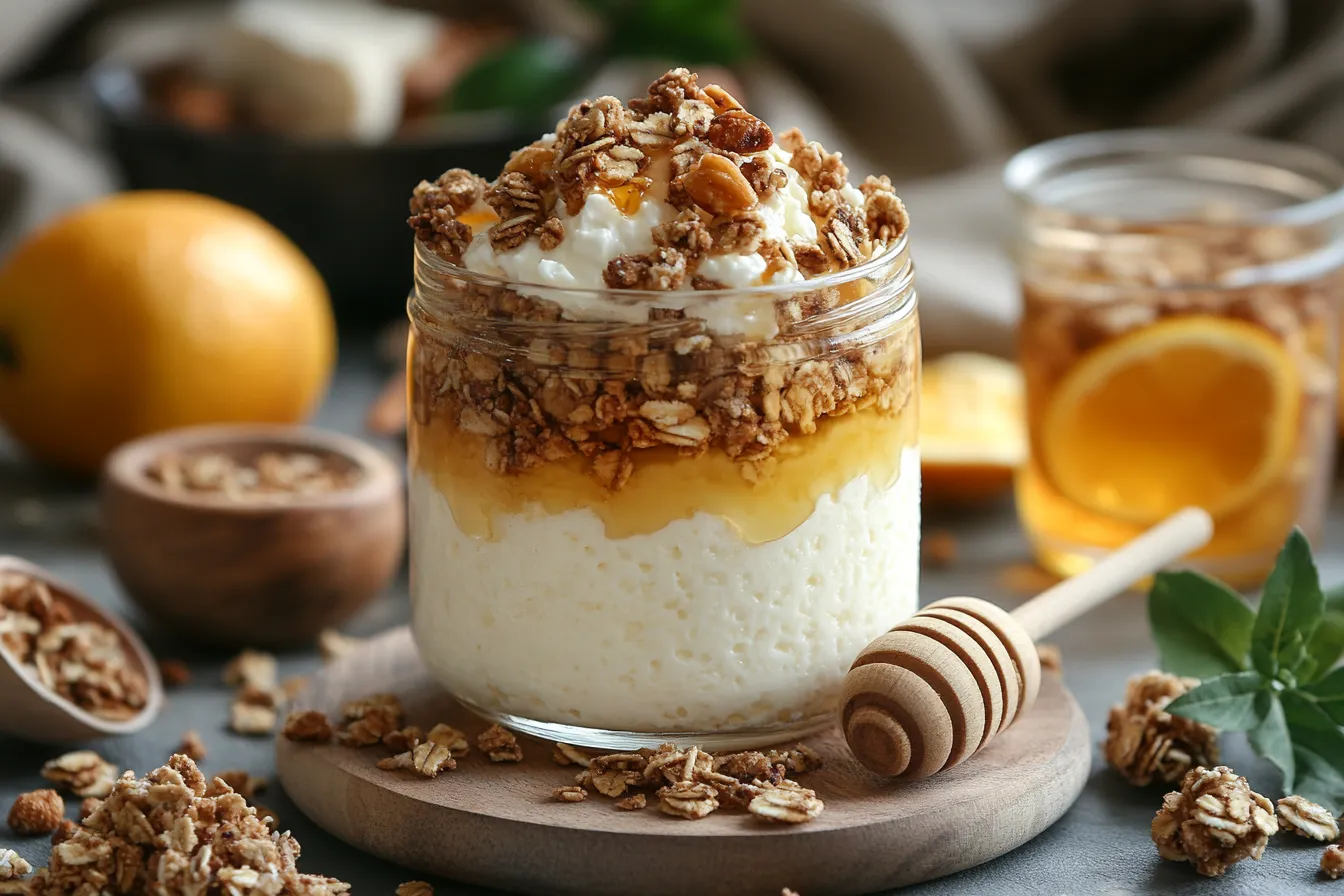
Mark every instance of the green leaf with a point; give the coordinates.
(689, 32)
(1327, 694)
(1326, 645)
(1291, 606)
(1202, 627)
(1318, 745)
(1227, 702)
(528, 75)
(1271, 739)
(1334, 599)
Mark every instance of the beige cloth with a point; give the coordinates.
(935, 93)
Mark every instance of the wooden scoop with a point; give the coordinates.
(939, 686)
(34, 712)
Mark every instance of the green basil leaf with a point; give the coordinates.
(1291, 605)
(692, 32)
(1317, 779)
(1227, 702)
(1334, 599)
(1202, 627)
(1326, 645)
(1318, 745)
(1271, 739)
(1327, 694)
(529, 75)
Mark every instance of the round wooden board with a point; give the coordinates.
(496, 825)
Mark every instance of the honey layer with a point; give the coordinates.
(666, 486)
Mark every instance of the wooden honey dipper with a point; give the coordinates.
(935, 689)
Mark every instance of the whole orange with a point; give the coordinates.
(146, 311)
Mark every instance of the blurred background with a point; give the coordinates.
(322, 114)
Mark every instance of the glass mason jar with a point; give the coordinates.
(668, 515)
(1179, 333)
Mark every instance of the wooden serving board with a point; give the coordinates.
(496, 824)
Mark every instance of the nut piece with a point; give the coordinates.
(192, 745)
(1214, 821)
(308, 725)
(36, 812)
(12, 865)
(1307, 819)
(500, 745)
(84, 772)
(688, 800)
(571, 793)
(632, 803)
(739, 131)
(718, 186)
(415, 888)
(1332, 862)
(1144, 742)
(787, 802)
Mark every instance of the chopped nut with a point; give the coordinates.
(500, 745)
(36, 812)
(1307, 819)
(632, 802)
(564, 754)
(1332, 862)
(84, 772)
(1144, 741)
(737, 130)
(12, 865)
(569, 794)
(333, 645)
(192, 745)
(308, 725)
(175, 673)
(1214, 821)
(786, 802)
(415, 888)
(687, 800)
(718, 186)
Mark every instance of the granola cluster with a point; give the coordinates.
(270, 476)
(84, 662)
(174, 832)
(1145, 742)
(605, 393)
(1214, 821)
(380, 720)
(691, 783)
(83, 772)
(36, 812)
(259, 698)
(1301, 816)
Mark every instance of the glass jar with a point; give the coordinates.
(1178, 338)
(667, 515)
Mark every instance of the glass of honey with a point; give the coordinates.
(1179, 340)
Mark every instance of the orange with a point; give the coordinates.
(147, 311)
(972, 435)
(1194, 410)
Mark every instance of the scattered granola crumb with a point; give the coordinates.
(1051, 659)
(415, 888)
(564, 754)
(571, 793)
(632, 803)
(404, 739)
(787, 802)
(500, 745)
(84, 772)
(333, 645)
(448, 736)
(427, 759)
(308, 725)
(192, 745)
(237, 780)
(1307, 819)
(369, 720)
(686, 799)
(938, 549)
(175, 673)
(1144, 741)
(271, 476)
(252, 718)
(164, 833)
(64, 831)
(1332, 862)
(251, 668)
(36, 812)
(83, 662)
(1214, 821)
(12, 865)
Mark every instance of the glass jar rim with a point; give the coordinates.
(873, 267)
(1031, 170)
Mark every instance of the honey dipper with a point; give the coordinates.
(935, 689)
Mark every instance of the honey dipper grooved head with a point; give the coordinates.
(935, 689)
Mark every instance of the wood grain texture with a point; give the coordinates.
(217, 570)
(497, 826)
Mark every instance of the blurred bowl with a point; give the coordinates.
(344, 203)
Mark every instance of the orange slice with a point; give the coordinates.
(971, 431)
(1194, 410)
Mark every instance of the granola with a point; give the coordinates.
(192, 745)
(271, 476)
(81, 661)
(1332, 861)
(1144, 741)
(12, 865)
(36, 812)
(165, 833)
(1214, 821)
(308, 725)
(427, 759)
(1307, 819)
(83, 772)
(499, 744)
(571, 793)
(786, 802)
(632, 803)
(237, 780)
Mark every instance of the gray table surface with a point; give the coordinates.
(1101, 846)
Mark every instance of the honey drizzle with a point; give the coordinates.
(666, 486)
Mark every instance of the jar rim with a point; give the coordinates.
(1318, 177)
(869, 268)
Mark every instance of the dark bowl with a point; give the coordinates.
(343, 203)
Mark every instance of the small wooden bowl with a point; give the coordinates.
(256, 573)
(33, 712)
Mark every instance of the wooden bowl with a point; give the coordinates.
(252, 573)
(33, 712)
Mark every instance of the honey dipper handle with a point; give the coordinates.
(1171, 539)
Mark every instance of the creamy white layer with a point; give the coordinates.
(686, 629)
